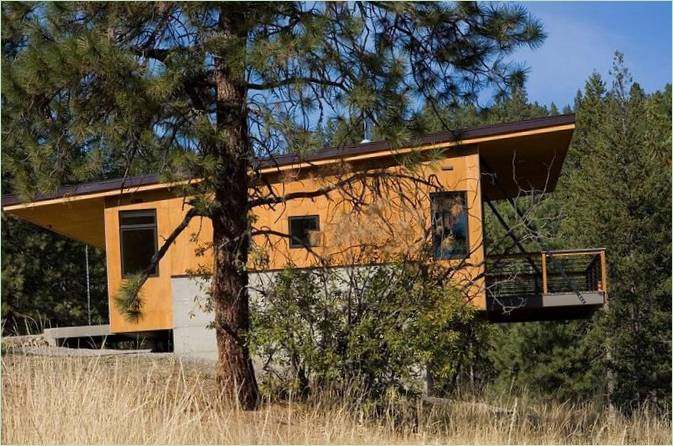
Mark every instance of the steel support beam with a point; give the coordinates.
(510, 233)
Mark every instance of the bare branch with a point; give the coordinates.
(326, 190)
(294, 80)
(266, 232)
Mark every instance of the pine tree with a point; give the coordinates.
(44, 280)
(620, 197)
(614, 192)
(203, 89)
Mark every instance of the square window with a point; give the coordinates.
(138, 238)
(304, 231)
(449, 225)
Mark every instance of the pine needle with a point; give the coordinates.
(128, 300)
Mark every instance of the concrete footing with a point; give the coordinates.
(56, 336)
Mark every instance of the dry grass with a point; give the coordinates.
(160, 400)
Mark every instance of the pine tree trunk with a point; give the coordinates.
(230, 227)
(232, 317)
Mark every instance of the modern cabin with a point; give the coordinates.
(436, 201)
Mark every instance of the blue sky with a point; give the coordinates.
(582, 38)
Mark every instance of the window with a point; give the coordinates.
(304, 231)
(138, 236)
(449, 225)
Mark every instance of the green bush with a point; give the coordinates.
(378, 328)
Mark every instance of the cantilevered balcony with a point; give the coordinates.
(550, 285)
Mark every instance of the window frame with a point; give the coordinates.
(467, 226)
(291, 240)
(122, 227)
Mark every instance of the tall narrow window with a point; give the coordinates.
(138, 236)
(449, 225)
(304, 231)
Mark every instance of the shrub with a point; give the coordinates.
(379, 328)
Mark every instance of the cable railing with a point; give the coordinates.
(548, 272)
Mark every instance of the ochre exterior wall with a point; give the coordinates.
(391, 224)
(78, 220)
(156, 293)
(523, 156)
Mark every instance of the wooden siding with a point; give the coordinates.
(530, 156)
(156, 293)
(386, 224)
(79, 220)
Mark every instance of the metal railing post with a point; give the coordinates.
(88, 288)
(604, 273)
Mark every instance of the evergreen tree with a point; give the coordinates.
(202, 89)
(614, 192)
(552, 359)
(559, 360)
(44, 280)
(620, 197)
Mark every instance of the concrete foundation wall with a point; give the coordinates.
(192, 338)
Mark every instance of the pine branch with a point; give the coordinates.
(304, 194)
(159, 54)
(128, 300)
(296, 80)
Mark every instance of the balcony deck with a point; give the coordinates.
(549, 285)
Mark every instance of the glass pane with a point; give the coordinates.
(449, 225)
(300, 231)
(138, 247)
(137, 218)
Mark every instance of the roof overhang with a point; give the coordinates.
(524, 156)
(77, 211)
(529, 163)
(81, 220)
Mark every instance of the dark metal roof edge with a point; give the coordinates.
(87, 188)
(434, 138)
(327, 153)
